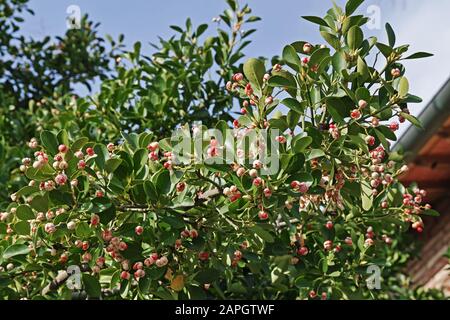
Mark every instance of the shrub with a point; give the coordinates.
(310, 203)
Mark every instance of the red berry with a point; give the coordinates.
(193, 233)
(303, 251)
(203, 255)
(362, 104)
(95, 220)
(62, 148)
(90, 151)
(307, 48)
(125, 275)
(263, 215)
(355, 114)
(138, 265)
(394, 126)
(168, 165)
(139, 230)
(328, 245)
(267, 192)
(329, 225)
(238, 77)
(153, 146)
(181, 186)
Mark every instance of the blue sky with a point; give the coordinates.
(423, 24)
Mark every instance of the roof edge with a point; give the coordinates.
(432, 117)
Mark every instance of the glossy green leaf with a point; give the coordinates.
(112, 164)
(254, 71)
(351, 6)
(301, 144)
(22, 228)
(412, 119)
(50, 142)
(102, 154)
(391, 35)
(291, 57)
(92, 286)
(366, 195)
(293, 104)
(419, 55)
(24, 212)
(316, 20)
(331, 39)
(355, 37)
(403, 87)
(15, 250)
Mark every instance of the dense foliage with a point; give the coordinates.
(305, 211)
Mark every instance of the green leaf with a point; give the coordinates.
(336, 109)
(291, 57)
(363, 70)
(318, 56)
(412, 119)
(366, 195)
(358, 141)
(112, 164)
(410, 98)
(316, 20)
(78, 144)
(391, 35)
(362, 94)
(384, 49)
(92, 286)
(296, 163)
(263, 234)
(419, 55)
(290, 84)
(15, 250)
(430, 212)
(63, 137)
(279, 81)
(331, 39)
(315, 153)
(24, 212)
(207, 275)
(22, 228)
(83, 230)
(387, 132)
(254, 71)
(150, 191)
(301, 144)
(49, 141)
(162, 182)
(403, 87)
(293, 104)
(26, 191)
(355, 37)
(351, 6)
(339, 62)
(102, 154)
(58, 198)
(40, 203)
(292, 118)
